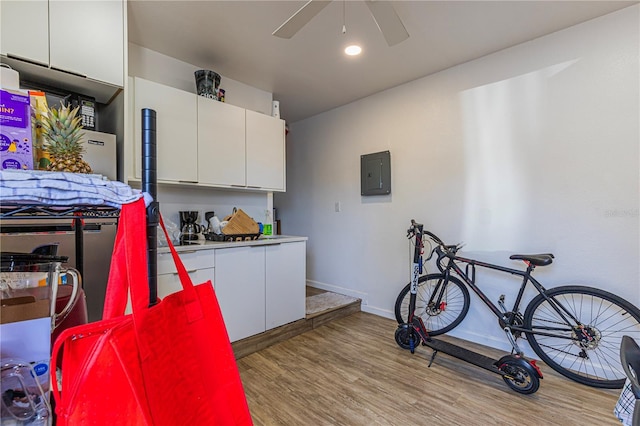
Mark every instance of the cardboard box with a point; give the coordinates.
(23, 309)
(16, 133)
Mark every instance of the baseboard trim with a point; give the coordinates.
(341, 290)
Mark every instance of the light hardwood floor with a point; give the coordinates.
(351, 372)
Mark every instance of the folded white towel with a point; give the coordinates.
(63, 189)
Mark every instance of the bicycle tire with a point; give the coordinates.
(437, 321)
(592, 356)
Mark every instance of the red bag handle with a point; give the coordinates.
(129, 268)
(191, 302)
(128, 263)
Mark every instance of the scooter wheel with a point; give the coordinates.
(407, 337)
(520, 379)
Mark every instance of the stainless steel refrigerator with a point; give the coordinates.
(24, 235)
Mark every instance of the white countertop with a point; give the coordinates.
(208, 245)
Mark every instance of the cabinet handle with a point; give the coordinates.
(188, 272)
(69, 72)
(180, 252)
(238, 186)
(254, 187)
(265, 245)
(188, 181)
(27, 60)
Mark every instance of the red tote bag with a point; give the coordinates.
(169, 364)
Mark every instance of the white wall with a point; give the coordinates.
(154, 66)
(531, 149)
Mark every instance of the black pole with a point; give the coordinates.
(79, 238)
(149, 185)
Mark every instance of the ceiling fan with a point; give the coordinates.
(383, 13)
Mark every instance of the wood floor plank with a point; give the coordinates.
(351, 372)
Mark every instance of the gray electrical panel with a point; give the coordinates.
(375, 173)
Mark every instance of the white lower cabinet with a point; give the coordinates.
(198, 263)
(239, 279)
(260, 287)
(285, 283)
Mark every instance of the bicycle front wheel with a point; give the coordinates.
(442, 306)
(588, 351)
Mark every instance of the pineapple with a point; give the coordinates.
(62, 132)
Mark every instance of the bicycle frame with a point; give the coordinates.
(468, 277)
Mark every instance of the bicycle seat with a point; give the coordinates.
(534, 259)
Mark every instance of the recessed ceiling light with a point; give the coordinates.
(353, 50)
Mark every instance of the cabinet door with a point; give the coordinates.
(170, 283)
(24, 30)
(285, 283)
(176, 130)
(87, 38)
(239, 278)
(221, 146)
(265, 151)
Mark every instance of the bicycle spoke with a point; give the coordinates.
(589, 350)
(440, 305)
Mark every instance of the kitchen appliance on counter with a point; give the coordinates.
(189, 229)
(100, 153)
(211, 220)
(23, 235)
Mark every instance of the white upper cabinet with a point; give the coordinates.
(18, 17)
(205, 142)
(176, 130)
(265, 151)
(221, 143)
(87, 37)
(84, 38)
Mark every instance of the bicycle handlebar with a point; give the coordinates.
(419, 228)
(442, 248)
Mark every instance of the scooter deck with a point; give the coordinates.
(459, 352)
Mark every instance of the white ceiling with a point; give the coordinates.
(309, 74)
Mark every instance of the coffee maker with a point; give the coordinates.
(189, 229)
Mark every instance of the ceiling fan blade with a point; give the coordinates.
(388, 21)
(300, 18)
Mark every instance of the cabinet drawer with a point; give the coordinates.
(196, 259)
(170, 283)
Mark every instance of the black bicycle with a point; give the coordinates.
(576, 330)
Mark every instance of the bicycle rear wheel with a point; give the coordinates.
(587, 352)
(439, 314)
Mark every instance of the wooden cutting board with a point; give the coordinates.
(241, 223)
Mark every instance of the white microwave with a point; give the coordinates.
(100, 153)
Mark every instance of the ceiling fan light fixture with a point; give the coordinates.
(353, 50)
(383, 12)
